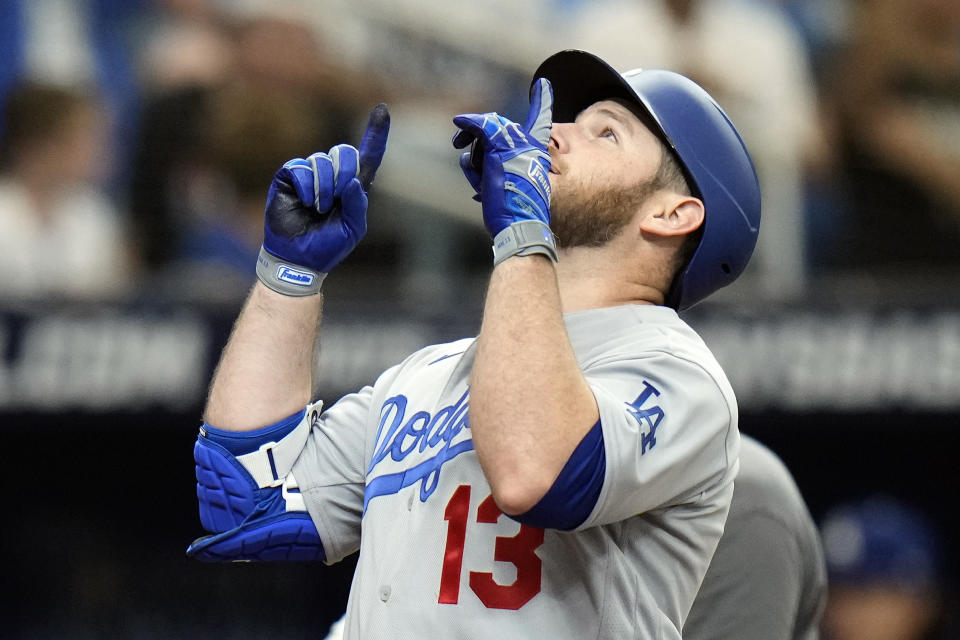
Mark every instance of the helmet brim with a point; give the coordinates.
(579, 79)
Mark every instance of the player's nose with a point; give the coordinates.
(560, 137)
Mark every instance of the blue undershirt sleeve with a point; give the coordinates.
(576, 490)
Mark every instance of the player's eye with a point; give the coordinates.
(609, 133)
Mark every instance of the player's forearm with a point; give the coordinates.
(530, 405)
(265, 371)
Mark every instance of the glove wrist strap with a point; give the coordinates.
(286, 278)
(524, 238)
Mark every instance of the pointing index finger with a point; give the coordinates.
(374, 144)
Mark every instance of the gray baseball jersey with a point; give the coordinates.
(391, 471)
(767, 580)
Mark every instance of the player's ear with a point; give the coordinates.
(677, 216)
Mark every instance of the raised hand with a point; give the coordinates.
(316, 211)
(513, 181)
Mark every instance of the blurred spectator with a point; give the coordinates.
(750, 58)
(895, 94)
(823, 25)
(883, 559)
(225, 109)
(59, 233)
(247, 136)
(182, 43)
(76, 44)
(186, 51)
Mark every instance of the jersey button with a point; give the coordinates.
(385, 592)
(410, 502)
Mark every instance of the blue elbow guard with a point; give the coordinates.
(248, 497)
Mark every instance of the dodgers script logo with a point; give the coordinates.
(398, 436)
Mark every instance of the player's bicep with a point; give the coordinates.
(576, 489)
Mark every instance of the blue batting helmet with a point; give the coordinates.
(705, 142)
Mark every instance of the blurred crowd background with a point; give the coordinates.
(137, 142)
(138, 136)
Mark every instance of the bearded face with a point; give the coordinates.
(590, 213)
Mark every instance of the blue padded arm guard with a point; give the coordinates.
(248, 497)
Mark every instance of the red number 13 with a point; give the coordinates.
(518, 549)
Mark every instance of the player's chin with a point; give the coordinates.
(560, 189)
(558, 209)
(555, 184)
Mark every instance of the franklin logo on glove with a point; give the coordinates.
(286, 274)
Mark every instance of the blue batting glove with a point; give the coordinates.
(513, 182)
(316, 211)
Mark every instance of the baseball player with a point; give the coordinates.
(567, 473)
(768, 577)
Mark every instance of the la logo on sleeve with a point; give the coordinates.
(649, 417)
